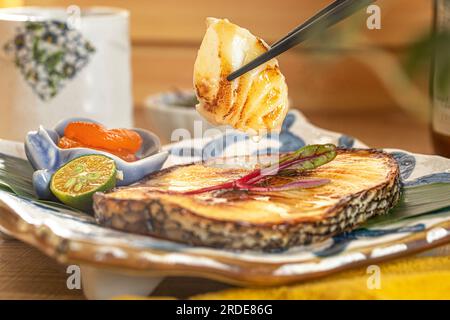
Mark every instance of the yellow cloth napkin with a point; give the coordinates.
(411, 278)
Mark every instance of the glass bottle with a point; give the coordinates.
(440, 89)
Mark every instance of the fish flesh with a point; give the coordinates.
(256, 102)
(363, 183)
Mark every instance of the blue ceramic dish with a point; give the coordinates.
(46, 157)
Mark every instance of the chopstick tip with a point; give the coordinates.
(232, 76)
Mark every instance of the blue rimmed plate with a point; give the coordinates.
(420, 222)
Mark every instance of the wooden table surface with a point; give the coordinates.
(26, 273)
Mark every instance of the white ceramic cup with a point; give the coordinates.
(58, 63)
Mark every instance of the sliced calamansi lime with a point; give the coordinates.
(76, 181)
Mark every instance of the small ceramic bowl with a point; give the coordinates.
(46, 157)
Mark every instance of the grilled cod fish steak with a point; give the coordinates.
(254, 103)
(364, 183)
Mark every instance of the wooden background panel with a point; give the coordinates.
(166, 35)
(155, 21)
(326, 80)
(10, 3)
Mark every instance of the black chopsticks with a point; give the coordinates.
(325, 18)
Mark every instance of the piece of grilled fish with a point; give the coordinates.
(257, 101)
(364, 183)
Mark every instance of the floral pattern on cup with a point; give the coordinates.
(48, 54)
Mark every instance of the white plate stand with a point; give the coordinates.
(104, 284)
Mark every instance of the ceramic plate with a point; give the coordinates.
(72, 237)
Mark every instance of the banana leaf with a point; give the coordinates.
(416, 201)
(16, 178)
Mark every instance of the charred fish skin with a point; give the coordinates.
(155, 217)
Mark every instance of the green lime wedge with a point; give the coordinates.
(76, 181)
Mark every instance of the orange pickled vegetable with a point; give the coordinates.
(97, 136)
(67, 143)
(120, 142)
(129, 157)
